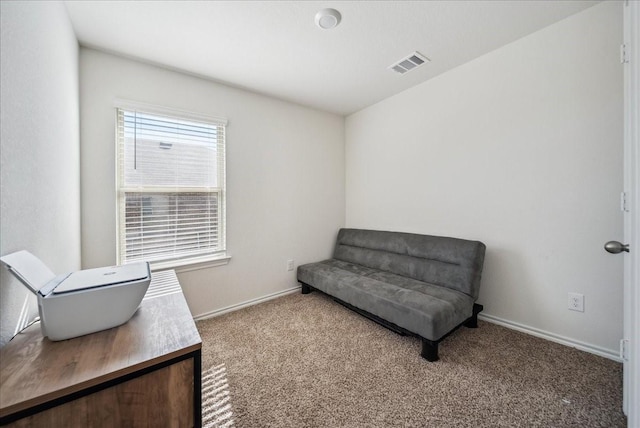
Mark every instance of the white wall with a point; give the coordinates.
(285, 176)
(39, 156)
(521, 149)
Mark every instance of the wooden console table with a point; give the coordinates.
(146, 372)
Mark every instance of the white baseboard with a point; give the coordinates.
(248, 303)
(587, 347)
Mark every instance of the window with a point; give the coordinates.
(171, 188)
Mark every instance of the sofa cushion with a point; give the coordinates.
(447, 262)
(428, 310)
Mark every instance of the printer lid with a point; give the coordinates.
(99, 277)
(28, 269)
(38, 278)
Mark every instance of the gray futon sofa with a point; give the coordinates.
(421, 285)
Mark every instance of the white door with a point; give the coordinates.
(631, 339)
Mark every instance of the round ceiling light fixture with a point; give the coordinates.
(328, 19)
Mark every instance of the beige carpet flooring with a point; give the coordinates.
(306, 361)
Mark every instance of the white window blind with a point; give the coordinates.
(171, 187)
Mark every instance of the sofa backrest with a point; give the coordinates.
(447, 262)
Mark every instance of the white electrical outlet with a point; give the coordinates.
(289, 265)
(576, 302)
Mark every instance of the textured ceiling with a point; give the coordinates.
(275, 48)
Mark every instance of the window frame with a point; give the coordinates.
(184, 263)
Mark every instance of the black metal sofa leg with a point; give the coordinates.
(306, 288)
(472, 321)
(429, 350)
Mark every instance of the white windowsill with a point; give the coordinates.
(195, 263)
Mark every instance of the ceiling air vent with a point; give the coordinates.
(414, 60)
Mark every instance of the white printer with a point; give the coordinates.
(81, 302)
